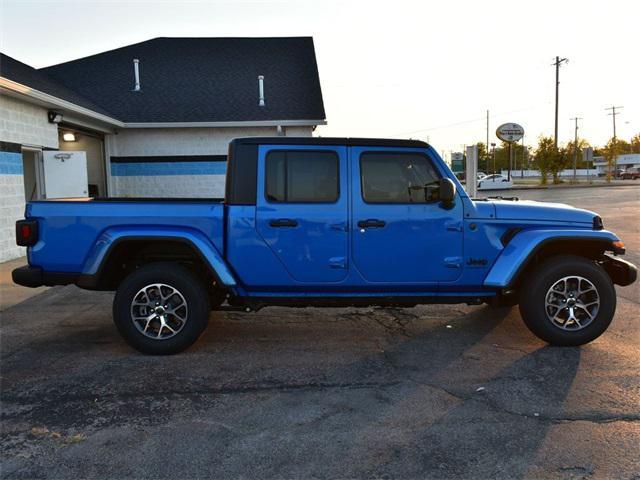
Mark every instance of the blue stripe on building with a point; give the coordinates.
(11, 163)
(169, 158)
(155, 168)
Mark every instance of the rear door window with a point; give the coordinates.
(302, 176)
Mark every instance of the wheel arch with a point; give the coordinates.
(116, 253)
(528, 248)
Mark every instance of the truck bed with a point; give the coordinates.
(70, 228)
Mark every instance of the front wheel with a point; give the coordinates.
(568, 301)
(161, 308)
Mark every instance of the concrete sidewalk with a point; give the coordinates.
(10, 293)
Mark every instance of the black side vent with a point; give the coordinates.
(508, 235)
(597, 223)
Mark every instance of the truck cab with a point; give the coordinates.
(327, 222)
(346, 217)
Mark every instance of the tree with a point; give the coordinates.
(567, 153)
(549, 159)
(622, 147)
(610, 152)
(502, 157)
(635, 143)
(483, 157)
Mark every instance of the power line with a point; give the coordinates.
(464, 122)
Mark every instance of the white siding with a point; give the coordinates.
(170, 186)
(26, 124)
(188, 141)
(145, 142)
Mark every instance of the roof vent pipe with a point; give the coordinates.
(261, 89)
(136, 74)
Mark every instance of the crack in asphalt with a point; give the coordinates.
(592, 417)
(231, 390)
(398, 321)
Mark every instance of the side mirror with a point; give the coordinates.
(447, 192)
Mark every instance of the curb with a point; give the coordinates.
(553, 187)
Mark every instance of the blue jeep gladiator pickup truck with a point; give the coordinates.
(327, 222)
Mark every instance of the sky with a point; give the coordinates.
(406, 69)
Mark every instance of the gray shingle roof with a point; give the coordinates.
(198, 80)
(22, 73)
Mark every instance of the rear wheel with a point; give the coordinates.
(568, 301)
(161, 308)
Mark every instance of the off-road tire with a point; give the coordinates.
(190, 289)
(538, 284)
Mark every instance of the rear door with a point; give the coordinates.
(402, 234)
(302, 205)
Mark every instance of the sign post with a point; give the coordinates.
(509, 133)
(471, 176)
(587, 157)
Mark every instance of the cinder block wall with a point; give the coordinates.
(26, 124)
(186, 162)
(21, 124)
(11, 199)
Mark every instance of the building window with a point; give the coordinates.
(394, 177)
(302, 176)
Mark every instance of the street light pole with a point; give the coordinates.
(487, 144)
(493, 152)
(509, 171)
(524, 154)
(559, 61)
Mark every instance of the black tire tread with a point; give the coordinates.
(189, 285)
(541, 278)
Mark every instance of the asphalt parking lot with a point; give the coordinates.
(433, 391)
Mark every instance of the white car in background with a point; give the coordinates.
(494, 182)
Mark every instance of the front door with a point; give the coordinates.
(402, 234)
(302, 210)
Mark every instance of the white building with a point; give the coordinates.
(622, 161)
(154, 119)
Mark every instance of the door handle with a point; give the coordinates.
(283, 222)
(371, 223)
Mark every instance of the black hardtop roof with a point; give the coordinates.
(338, 141)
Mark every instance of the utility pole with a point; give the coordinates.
(559, 61)
(575, 147)
(615, 138)
(613, 114)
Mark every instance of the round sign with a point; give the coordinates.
(510, 132)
